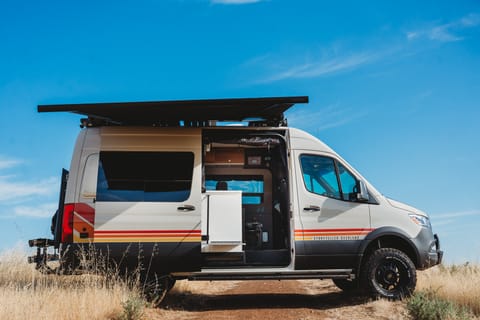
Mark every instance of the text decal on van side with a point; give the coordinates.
(331, 234)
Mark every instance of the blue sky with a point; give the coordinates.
(394, 88)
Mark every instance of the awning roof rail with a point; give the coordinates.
(196, 113)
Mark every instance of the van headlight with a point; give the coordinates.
(420, 220)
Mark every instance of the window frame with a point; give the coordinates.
(143, 194)
(337, 175)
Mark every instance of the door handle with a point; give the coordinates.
(186, 208)
(312, 208)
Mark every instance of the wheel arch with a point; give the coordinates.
(388, 237)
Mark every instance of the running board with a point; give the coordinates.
(291, 275)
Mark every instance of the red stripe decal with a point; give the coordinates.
(183, 232)
(144, 236)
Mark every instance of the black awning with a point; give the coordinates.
(174, 111)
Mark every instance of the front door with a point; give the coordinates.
(333, 220)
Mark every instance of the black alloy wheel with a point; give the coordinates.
(389, 273)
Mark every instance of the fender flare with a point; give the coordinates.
(382, 232)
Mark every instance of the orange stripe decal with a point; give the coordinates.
(332, 234)
(147, 235)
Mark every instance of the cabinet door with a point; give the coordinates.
(223, 219)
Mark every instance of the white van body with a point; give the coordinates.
(227, 202)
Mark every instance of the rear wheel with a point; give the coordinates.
(389, 273)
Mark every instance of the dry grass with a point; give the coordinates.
(458, 284)
(25, 293)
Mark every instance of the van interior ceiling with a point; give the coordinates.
(256, 164)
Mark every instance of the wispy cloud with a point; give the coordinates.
(22, 190)
(454, 219)
(471, 20)
(322, 67)
(24, 197)
(6, 163)
(329, 117)
(40, 211)
(15, 190)
(234, 1)
(333, 60)
(447, 32)
(457, 214)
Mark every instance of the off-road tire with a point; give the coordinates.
(388, 273)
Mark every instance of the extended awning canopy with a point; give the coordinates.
(258, 111)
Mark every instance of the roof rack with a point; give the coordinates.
(188, 113)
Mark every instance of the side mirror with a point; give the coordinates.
(363, 194)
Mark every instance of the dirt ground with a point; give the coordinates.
(270, 300)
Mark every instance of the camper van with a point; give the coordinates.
(224, 190)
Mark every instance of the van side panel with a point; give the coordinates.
(132, 220)
(151, 227)
(161, 234)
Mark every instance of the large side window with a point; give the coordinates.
(326, 177)
(144, 176)
(251, 186)
(319, 175)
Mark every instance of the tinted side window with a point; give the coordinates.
(320, 176)
(251, 186)
(144, 176)
(348, 183)
(327, 177)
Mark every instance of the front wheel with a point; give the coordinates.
(389, 273)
